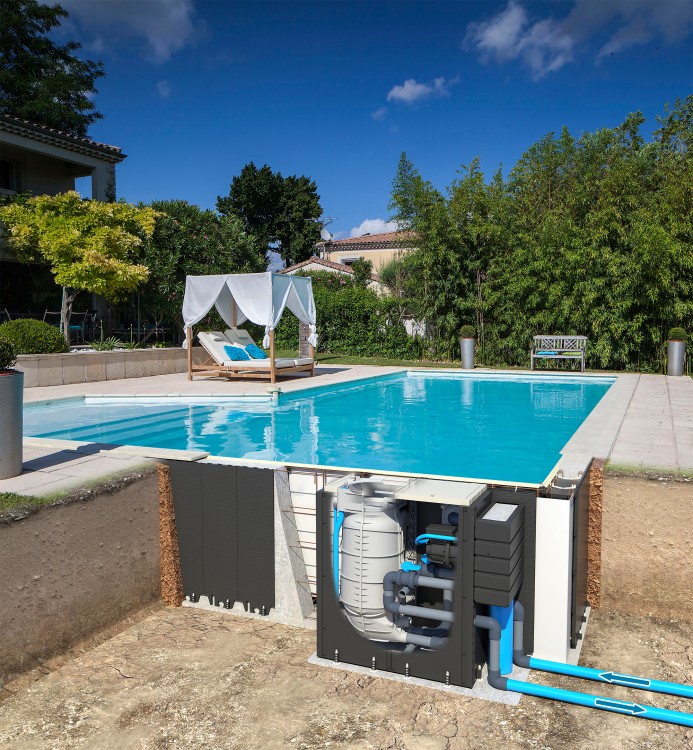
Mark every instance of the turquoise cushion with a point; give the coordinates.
(547, 352)
(255, 351)
(235, 353)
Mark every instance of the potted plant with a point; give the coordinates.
(676, 351)
(11, 417)
(467, 347)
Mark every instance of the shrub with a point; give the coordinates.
(677, 334)
(33, 337)
(467, 332)
(7, 355)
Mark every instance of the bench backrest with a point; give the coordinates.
(567, 343)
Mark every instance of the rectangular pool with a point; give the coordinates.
(507, 428)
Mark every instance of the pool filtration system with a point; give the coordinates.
(437, 587)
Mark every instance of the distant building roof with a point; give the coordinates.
(383, 241)
(43, 134)
(314, 260)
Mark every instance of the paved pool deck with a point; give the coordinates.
(643, 423)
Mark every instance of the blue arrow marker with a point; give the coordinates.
(621, 706)
(627, 680)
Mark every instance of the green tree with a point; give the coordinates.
(89, 245)
(403, 198)
(40, 80)
(363, 270)
(189, 240)
(281, 212)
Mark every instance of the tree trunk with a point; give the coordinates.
(69, 296)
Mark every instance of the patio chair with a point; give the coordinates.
(53, 318)
(4, 315)
(76, 327)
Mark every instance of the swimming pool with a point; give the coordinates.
(504, 428)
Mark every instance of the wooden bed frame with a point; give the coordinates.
(237, 371)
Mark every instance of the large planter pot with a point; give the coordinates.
(467, 349)
(11, 423)
(676, 354)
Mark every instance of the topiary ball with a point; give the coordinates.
(467, 332)
(7, 355)
(677, 334)
(33, 337)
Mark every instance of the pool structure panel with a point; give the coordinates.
(504, 428)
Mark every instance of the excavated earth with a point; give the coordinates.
(192, 679)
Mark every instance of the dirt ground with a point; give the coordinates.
(647, 546)
(192, 679)
(76, 567)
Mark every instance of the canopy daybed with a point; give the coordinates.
(258, 297)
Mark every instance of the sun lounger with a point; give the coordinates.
(219, 364)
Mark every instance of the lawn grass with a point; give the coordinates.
(9, 500)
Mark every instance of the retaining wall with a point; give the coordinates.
(89, 367)
(72, 569)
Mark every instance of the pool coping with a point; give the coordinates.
(572, 463)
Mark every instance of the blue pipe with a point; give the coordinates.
(337, 521)
(604, 704)
(612, 678)
(423, 538)
(504, 616)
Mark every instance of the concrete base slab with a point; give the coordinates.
(239, 611)
(481, 689)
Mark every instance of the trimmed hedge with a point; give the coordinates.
(33, 337)
(353, 320)
(7, 355)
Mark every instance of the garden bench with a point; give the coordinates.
(559, 347)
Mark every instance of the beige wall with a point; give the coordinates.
(378, 257)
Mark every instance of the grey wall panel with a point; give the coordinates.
(225, 525)
(186, 483)
(219, 532)
(255, 493)
(528, 499)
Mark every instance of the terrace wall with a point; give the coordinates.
(89, 367)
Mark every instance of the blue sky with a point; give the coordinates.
(195, 89)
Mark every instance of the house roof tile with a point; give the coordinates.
(44, 134)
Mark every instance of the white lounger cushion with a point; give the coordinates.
(241, 337)
(214, 343)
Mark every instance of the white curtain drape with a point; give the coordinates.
(258, 297)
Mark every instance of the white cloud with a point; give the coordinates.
(379, 114)
(411, 91)
(167, 26)
(164, 89)
(373, 226)
(546, 45)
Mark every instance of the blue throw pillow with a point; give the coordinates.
(235, 353)
(255, 351)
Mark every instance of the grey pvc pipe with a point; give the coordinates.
(494, 633)
(519, 656)
(413, 579)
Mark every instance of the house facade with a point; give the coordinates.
(43, 161)
(378, 248)
(321, 264)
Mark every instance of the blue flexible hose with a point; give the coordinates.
(337, 521)
(612, 678)
(423, 538)
(604, 704)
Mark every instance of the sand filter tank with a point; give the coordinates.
(372, 544)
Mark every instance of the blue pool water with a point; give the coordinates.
(501, 428)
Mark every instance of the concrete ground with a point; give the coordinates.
(192, 679)
(644, 422)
